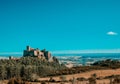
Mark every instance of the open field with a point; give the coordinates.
(99, 74)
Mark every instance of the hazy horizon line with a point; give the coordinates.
(72, 51)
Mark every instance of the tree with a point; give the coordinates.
(92, 79)
(2, 72)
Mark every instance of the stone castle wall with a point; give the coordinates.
(36, 53)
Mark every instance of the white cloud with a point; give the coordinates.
(112, 33)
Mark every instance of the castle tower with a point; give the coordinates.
(28, 48)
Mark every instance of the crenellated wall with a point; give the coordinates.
(36, 53)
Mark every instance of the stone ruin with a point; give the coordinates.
(42, 54)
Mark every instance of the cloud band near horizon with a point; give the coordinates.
(70, 52)
(86, 51)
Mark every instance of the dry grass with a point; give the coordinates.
(99, 73)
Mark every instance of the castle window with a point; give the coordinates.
(38, 53)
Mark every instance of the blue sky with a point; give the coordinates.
(59, 24)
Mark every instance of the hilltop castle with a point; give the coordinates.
(43, 54)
